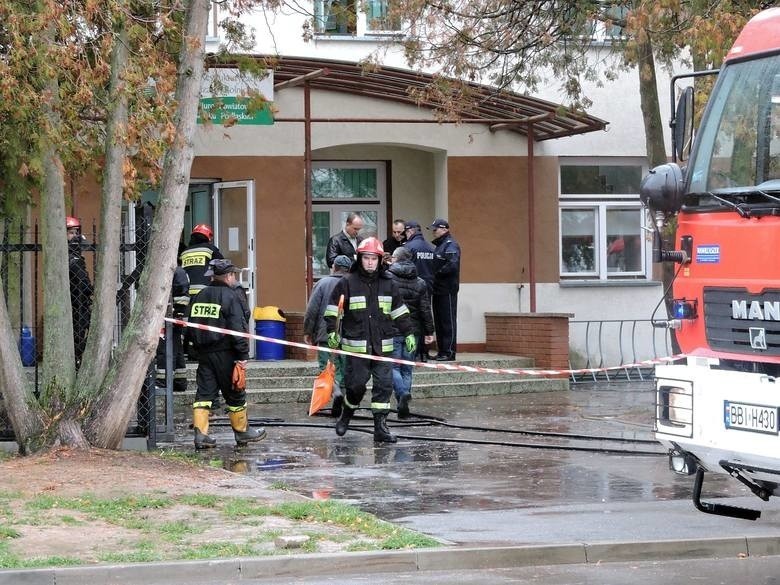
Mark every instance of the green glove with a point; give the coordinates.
(411, 343)
(333, 340)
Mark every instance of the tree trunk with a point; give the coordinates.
(101, 332)
(58, 371)
(18, 396)
(656, 149)
(123, 384)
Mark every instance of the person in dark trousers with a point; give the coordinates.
(80, 287)
(346, 241)
(218, 305)
(422, 257)
(414, 293)
(446, 283)
(396, 239)
(194, 259)
(315, 329)
(180, 300)
(373, 310)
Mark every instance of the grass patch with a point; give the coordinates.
(176, 531)
(112, 510)
(201, 500)
(173, 455)
(8, 532)
(244, 508)
(281, 486)
(212, 550)
(355, 520)
(145, 552)
(407, 539)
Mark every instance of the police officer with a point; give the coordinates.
(446, 283)
(80, 287)
(422, 252)
(218, 305)
(372, 305)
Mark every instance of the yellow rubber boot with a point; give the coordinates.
(200, 424)
(239, 420)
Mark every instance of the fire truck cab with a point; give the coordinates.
(719, 412)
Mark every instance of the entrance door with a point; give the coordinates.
(234, 232)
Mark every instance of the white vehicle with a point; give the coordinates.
(719, 412)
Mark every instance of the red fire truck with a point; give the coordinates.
(720, 411)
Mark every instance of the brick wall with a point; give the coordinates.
(541, 336)
(294, 332)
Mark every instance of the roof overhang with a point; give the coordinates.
(498, 109)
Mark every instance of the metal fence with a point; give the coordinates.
(620, 343)
(21, 270)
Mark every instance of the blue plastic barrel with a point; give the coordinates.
(269, 322)
(27, 346)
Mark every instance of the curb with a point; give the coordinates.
(440, 559)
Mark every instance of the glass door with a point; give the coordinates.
(234, 233)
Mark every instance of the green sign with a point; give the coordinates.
(232, 109)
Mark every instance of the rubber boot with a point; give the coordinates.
(241, 430)
(381, 432)
(403, 406)
(343, 423)
(338, 406)
(200, 423)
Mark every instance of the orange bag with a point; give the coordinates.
(322, 389)
(239, 378)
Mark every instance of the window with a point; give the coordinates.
(212, 30)
(602, 221)
(348, 17)
(339, 188)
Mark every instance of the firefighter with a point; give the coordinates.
(372, 306)
(220, 354)
(195, 260)
(80, 287)
(196, 257)
(180, 298)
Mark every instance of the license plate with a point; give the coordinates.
(755, 418)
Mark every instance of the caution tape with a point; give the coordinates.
(429, 365)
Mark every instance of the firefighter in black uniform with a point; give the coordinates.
(80, 287)
(180, 298)
(218, 305)
(372, 305)
(196, 257)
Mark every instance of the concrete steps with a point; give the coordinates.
(274, 382)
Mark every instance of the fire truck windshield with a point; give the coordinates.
(737, 155)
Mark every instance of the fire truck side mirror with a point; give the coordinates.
(682, 126)
(662, 188)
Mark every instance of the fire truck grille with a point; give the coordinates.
(741, 322)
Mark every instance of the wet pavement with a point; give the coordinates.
(501, 486)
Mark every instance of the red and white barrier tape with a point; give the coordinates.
(431, 365)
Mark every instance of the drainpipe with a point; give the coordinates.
(531, 247)
(307, 186)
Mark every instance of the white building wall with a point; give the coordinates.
(617, 102)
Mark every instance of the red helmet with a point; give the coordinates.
(204, 230)
(370, 246)
(72, 222)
